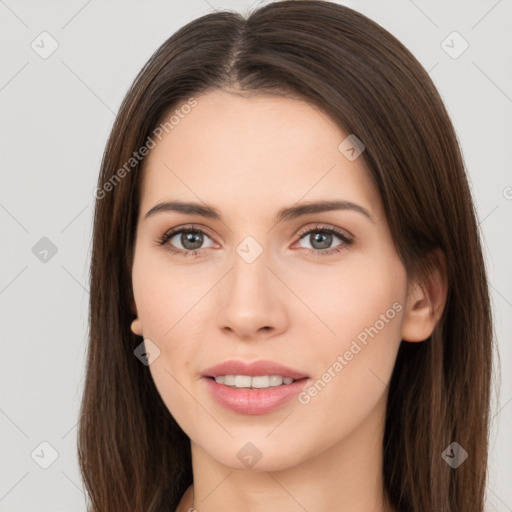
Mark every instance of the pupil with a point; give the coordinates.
(187, 239)
(327, 238)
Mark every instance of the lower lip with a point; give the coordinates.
(253, 401)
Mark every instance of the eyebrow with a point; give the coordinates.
(292, 212)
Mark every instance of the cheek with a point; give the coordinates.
(353, 359)
(360, 300)
(170, 383)
(171, 315)
(163, 294)
(352, 371)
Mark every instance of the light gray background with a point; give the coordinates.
(56, 116)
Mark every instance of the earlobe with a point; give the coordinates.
(136, 327)
(426, 303)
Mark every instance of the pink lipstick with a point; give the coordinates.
(253, 388)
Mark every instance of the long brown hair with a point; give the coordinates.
(133, 455)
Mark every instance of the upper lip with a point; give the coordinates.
(252, 369)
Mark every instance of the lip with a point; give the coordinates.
(234, 367)
(253, 401)
(248, 400)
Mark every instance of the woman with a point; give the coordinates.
(289, 308)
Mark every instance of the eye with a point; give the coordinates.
(190, 238)
(320, 239)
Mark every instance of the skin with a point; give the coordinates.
(248, 157)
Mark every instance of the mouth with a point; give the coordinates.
(253, 400)
(253, 388)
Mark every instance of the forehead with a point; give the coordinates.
(252, 151)
(232, 126)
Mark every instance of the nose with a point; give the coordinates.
(251, 300)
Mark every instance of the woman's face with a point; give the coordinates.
(266, 286)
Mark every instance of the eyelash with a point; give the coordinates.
(347, 242)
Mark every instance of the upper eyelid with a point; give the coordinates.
(320, 227)
(174, 231)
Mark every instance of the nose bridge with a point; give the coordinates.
(250, 300)
(250, 250)
(250, 263)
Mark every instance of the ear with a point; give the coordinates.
(426, 301)
(136, 325)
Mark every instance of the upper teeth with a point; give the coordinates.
(246, 381)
